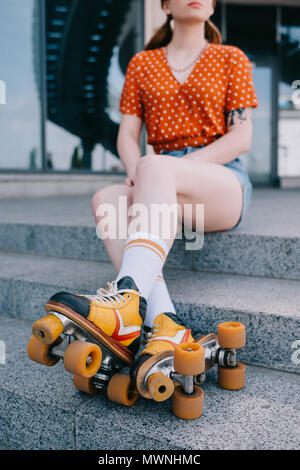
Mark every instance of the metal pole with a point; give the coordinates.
(43, 90)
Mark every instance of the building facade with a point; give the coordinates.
(63, 67)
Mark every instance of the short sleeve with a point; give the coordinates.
(240, 91)
(130, 101)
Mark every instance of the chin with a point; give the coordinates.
(197, 13)
(198, 18)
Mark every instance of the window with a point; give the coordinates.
(20, 117)
(87, 55)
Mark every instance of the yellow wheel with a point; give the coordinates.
(47, 329)
(160, 386)
(82, 358)
(85, 384)
(232, 378)
(189, 359)
(231, 335)
(39, 352)
(188, 406)
(120, 390)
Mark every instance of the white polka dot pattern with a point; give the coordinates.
(193, 113)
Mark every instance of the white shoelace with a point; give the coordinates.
(152, 334)
(111, 296)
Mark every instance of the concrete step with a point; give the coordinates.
(268, 307)
(28, 186)
(4, 447)
(41, 409)
(266, 244)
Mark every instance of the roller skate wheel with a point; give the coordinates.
(232, 378)
(47, 329)
(41, 353)
(160, 386)
(120, 390)
(84, 384)
(82, 358)
(231, 335)
(189, 359)
(188, 406)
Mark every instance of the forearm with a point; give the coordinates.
(129, 151)
(223, 150)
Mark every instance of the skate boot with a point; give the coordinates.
(97, 337)
(117, 311)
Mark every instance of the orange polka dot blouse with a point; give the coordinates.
(191, 114)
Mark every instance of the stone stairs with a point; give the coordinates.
(250, 275)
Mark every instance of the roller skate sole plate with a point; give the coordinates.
(110, 344)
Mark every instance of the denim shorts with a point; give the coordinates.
(237, 167)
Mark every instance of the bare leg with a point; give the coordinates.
(111, 194)
(168, 180)
(165, 179)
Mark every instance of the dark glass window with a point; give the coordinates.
(252, 28)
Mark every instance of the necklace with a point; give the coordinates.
(186, 68)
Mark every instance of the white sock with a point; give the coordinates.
(159, 301)
(143, 259)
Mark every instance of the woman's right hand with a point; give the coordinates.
(129, 181)
(130, 176)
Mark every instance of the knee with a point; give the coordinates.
(149, 164)
(100, 196)
(109, 194)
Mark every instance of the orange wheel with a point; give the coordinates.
(47, 329)
(189, 359)
(120, 390)
(160, 386)
(231, 335)
(232, 378)
(82, 358)
(188, 406)
(85, 384)
(39, 352)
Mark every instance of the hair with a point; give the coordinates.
(164, 34)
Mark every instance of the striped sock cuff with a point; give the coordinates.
(147, 240)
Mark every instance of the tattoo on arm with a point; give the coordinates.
(237, 115)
